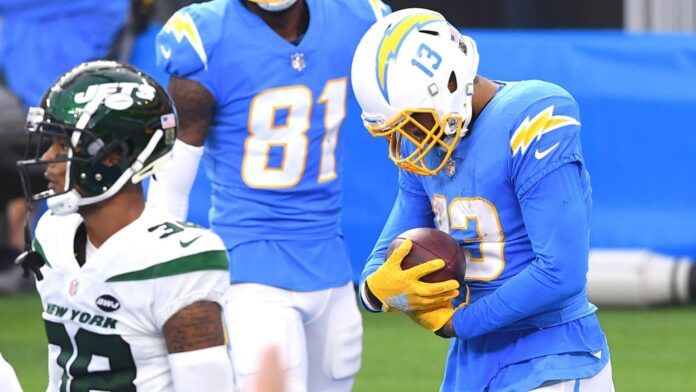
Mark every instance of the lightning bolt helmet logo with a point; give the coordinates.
(391, 42)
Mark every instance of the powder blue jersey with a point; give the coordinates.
(517, 197)
(273, 150)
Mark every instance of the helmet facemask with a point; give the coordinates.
(40, 137)
(427, 140)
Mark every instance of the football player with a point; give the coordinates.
(261, 88)
(498, 166)
(130, 294)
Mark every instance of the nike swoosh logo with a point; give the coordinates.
(186, 244)
(542, 154)
(166, 53)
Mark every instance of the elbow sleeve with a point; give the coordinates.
(169, 189)
(208, 369)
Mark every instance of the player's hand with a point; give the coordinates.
(439, 320)
(403, 290)
(434, 319)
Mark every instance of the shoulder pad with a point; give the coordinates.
(48, 239)
(187, 40)
(49, 224)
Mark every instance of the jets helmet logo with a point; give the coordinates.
(116, 96)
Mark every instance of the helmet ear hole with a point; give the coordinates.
(452, 83)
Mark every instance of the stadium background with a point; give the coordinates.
(636, 89)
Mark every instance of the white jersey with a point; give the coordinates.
(104, 320)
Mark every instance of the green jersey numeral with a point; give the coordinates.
(122, 370)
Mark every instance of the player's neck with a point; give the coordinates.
(289, 24)
(102, 220)
(484, 91)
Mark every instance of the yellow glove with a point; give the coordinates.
(403, 290)
(434, 319)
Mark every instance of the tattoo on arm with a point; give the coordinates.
(195, 106)
(194, 327)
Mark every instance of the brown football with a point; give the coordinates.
(431, 244)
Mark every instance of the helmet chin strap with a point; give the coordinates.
(276, 6)
(68, 203)
(65, 203)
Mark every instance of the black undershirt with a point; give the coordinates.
(80, 244)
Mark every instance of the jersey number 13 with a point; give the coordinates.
(474, 222)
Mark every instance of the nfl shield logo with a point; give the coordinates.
(72, 290)
(450, 169)
(298, 62)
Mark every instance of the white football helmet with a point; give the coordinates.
(413, 75)
(274, 5)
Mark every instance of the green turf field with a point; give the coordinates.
(652, 350)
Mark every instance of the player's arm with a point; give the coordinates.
(198, 355)
(556, 218)
(411, 209)
(194, 327)
(170, 188)
(183, 48)
(195, 105)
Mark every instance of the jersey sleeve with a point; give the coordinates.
(557, 275)
(411, 209)
(545, 137)
(186, 44)
(200, 276)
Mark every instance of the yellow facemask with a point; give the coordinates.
(426, 132)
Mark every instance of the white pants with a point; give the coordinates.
(318, 333)
(600, 382)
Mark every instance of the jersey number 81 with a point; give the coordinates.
(291, 136)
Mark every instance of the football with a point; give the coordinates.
(431, 244)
